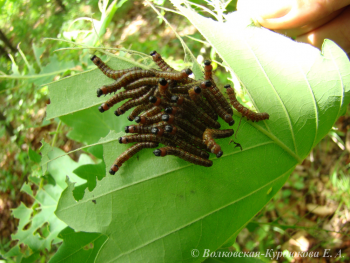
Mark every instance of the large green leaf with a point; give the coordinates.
(158, 210)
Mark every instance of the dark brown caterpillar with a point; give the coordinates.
(215, 104)
(138, 110)
(163, 140)
(142, 82)
(251, 115)
(191, 106)
(156, 101)
(184, 124)
(194, 94)
(113, 74)
(182, 113)
(163, 88)
(219, 96)
(125, 80)
(172, 75)
(152, 111)
(139, 138)
(174, 130)
(157, 131)
(183, 155)
(133, 103)
(129, 153)
(122, 96)
(146, 138)
(184, 88)
(179, 142)
(180, 89)
(149, 120)
(208, 138)
(160, 62)
(208, 70)
(143, 128)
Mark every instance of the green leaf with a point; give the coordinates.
(78, 246)
(159, 209)
(34, 156)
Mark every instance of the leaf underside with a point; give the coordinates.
(159, 209)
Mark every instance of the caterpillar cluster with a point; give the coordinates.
(171, 109)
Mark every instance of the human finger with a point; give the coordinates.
(290, 14)
(294, 32)
(337, 30)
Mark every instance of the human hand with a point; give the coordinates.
(310, 21)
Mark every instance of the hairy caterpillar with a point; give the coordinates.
(251, 115)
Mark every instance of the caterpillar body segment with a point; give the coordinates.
(195, 95)
(208, 138)
(191, 107)
(138, 110)
(183, 155)
(151, 81)
(113, 74)
(175, 130)
(125, 80)
(157, 58)
(142, 129)
(249, 114)
(152, 111)
(172, 75)
(133, 103)
(129, 153)
(208, 70)
(122, 96)
(184, 124)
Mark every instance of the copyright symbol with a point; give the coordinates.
(195, 253)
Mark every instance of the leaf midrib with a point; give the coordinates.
(270, 134)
